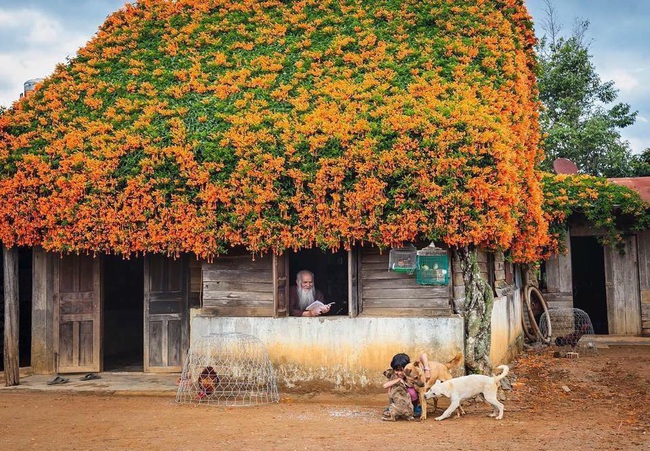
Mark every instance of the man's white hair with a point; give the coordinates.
(301, 273)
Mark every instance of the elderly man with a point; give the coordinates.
(303, 294)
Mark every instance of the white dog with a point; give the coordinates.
(460, 388)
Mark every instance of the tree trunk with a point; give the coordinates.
(11, 355)
(477, 314)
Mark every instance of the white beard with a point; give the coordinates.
(305, 297)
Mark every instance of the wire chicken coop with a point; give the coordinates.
(229, 369)
(572, 329)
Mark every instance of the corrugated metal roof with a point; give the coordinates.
(639, 184)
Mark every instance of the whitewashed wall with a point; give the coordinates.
(506, 327)
(340, 353)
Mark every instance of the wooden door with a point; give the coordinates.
(281, 285)
(166, 319)
(622, 287)
(78, 301)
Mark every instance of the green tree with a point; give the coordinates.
(641, 164)
(580, 120)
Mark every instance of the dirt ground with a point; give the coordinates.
(592, 402)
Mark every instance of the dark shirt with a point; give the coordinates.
(294, 303)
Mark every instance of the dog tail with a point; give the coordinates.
(455, 361)
(504, 372)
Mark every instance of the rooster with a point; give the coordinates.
(208, 381)
(573, 338)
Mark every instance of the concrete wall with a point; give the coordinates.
(341, 353)
(507, 331)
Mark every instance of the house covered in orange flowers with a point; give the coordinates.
(172, 179)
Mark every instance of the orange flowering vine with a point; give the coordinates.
(196, 125)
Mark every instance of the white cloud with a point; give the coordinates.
(41, 43)
(624, 80)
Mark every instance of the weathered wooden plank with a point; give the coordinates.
(404, 312)
(155, 343)
(406, 293)
(402, 283)
(240, 263)
(385, 275)
(227, 285)
(81, 305)
(240, 310)
(77, 317)
(12, 315)
(622, 287)
(643, 245)
(263, 275)
(376, 266)
(353, 282)
(559, 300)
(234, 303)
(280, 285)
(558, 271)
(237, 296)
(42, 313)
(65, 344)
(174, 338)
(407, 303)
(86, 342)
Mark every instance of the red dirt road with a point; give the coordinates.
(606, 408)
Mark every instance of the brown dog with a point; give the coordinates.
(415, 376)
(400, 400)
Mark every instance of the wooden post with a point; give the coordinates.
(11, 356)
(42, 312)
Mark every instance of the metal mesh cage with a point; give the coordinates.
(402, 259)
(432, 266)
(229, 369)
(571, 329)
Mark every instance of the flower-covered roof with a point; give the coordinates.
(196, 125)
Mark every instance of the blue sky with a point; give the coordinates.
(35, 35)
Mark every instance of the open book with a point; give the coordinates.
(318, 306)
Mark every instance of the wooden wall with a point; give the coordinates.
(559, 284)
(196, 285)
(643, 243)
(388, 293)
(627, 280)
(238, 286)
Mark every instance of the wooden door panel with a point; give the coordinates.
(155, 340)
(166, 313)
(622, 288)
(174, 339)
(79, 308)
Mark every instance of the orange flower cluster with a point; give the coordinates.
(196, 125)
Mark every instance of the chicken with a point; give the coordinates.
(573, 338)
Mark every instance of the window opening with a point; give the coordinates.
(330, 271)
